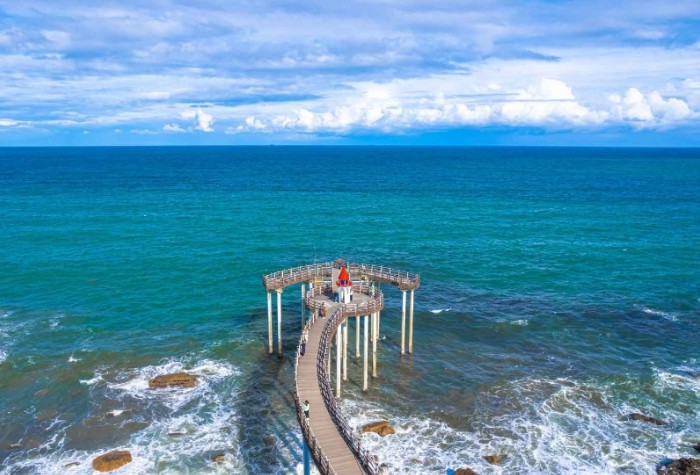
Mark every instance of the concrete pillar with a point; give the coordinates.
(374, 345)
(365, 386)
(279, 322)
(303, 306)
(307, 458)
(338, 348)
(345, 350)
(410, 325)
(269, 322)
(357, 337)
(403, 323)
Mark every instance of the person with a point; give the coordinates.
(323, 310)
(306, 408)
(304, 339)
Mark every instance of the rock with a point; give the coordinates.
(383, 468)
(683, 466)
(218, 458)
(71, 464)
(111, 460)
(635, 416)
(382, 428)
(494, 459)
(465, 471)
(697, 446)
(176, 433)
(182, 380)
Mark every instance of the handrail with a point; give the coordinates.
(403, 279)
(367, 461)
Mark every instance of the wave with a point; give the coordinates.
(3, 356)
(667, 315)
(440, 310)
(538, 426)
(182, 429)
(523, 322)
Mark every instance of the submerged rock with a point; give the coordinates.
(465, 471)
(382, 428)
(111, 460)
(182, 380)
(71, 464)
(635, 416)
(218, 458)
(697, 446)
(494, 459)
(684, 466)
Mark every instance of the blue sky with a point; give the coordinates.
(352, 72)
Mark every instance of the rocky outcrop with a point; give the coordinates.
(382, 428)
(182, 380)
(697, 446)
(465, 471)
(635, 416)
(494, 459)
(684, 466)
(111, 460)
(218, 458)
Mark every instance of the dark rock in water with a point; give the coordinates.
(382, 428)
(494, 459)
(71, 464)
(684, 466)
(111, 460)
(635, 416)
(697, 446)
(269, 441)
(465, 471)
(176, 433)
(218, 458)
(182, 380)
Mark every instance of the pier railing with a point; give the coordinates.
(366, 459)
(280, 279)
(315, 448)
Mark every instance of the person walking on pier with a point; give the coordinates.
(306, 408)
(304, 339)
(323, 310)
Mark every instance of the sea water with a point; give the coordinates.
(560, 291)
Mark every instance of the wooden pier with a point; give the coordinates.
(329, 439)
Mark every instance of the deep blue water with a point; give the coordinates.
(561, 290)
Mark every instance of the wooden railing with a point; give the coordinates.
(280, 279)
(315, 449)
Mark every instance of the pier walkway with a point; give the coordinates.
(334, 446)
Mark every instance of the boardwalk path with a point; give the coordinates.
(334, 446)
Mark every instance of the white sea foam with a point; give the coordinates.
(73, 359)
(667, 315)
(521, 323)
(554, 427)
(440, 310)
(3, 356)
(99, 373)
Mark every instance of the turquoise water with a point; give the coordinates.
(561, 290)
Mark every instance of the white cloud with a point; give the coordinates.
(649, 109)
(173, 128)
(203, 121)
(8, 123)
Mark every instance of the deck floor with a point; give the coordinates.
(339, 454)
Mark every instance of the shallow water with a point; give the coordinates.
(560, 292)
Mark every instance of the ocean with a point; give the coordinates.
(560, 291)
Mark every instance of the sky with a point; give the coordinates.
(414, 72)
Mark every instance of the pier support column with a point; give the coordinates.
(338, 348)
(365, 386)
(345, 350)
(403, 323)
(303, 310)
(357, 337)
(374, 345)
(269, 322)
(410, 325)
(279, 322)
(307, 458)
